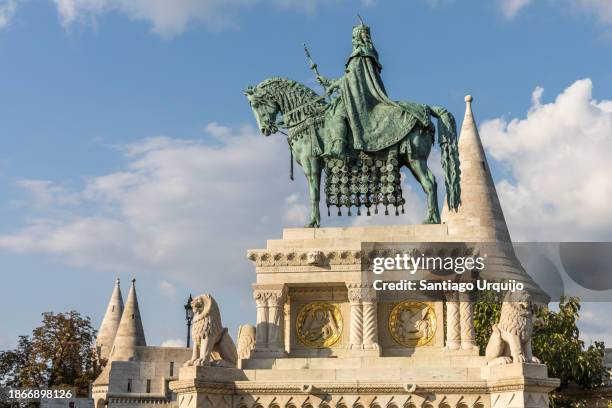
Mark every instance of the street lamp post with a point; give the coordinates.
(189, 318)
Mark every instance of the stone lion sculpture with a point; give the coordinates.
(511, 338)
(212, 344)
(246, 340)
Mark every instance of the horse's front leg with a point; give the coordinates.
(312, 169)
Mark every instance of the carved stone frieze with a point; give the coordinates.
(264, 258)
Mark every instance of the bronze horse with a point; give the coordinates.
(303, 115)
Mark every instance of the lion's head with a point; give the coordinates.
(202, 305)
(206, 317)
(516, 313)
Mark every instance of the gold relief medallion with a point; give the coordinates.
(319, 324)
(412, 324)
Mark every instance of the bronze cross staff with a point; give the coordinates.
(313, 66)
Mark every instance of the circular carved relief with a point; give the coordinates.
(319, 324)
(412, 324)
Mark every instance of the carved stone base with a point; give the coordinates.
(206, 387)
(364, 350)
(268, 353)
(455, 381)
(326, 338)
(532, 394)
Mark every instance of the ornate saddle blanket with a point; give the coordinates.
(364, 181)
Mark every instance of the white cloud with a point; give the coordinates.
(601, 9)
(173, 343)
(559, 156)
(167, 288)
(177, 207)
(45, 193)
(7, 11)
(510, 8)
(168, 18)
(297, 211)
(592, 327)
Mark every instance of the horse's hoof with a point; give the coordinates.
(312, 224)
(431, 221)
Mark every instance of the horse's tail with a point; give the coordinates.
(447, 139)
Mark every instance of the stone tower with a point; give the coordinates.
(110, 323)
(480, 217)
(130, 333)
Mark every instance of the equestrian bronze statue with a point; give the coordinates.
(360, 137)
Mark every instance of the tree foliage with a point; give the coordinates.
(486, 312)
(556, 341)
(59, 353)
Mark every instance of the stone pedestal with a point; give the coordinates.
(519, 385)
(206, 387)
(325, 338)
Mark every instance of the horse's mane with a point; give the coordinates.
(296, 101)
(291, 89)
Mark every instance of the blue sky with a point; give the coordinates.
(126, 148)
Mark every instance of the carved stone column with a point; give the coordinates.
(364, 318)
(453, 321)
(370, 319)
(356, 330)
(269, 337)
(261, 334)
(468, 334)
(276, 301)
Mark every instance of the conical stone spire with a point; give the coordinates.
(130, 333)
(110, 323)
(480, 217)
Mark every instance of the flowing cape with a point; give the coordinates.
(376, 122)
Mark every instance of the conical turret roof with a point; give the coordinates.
(480, 217)
(130, 333)
(110, 323)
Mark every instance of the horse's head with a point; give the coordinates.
(264, 108)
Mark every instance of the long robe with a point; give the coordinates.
(375, 121)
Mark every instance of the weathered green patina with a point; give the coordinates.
(361, 138)
(363, 109)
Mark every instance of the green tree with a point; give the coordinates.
(556, 341)
(14, 362)
(59, 353)
(486, 312)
